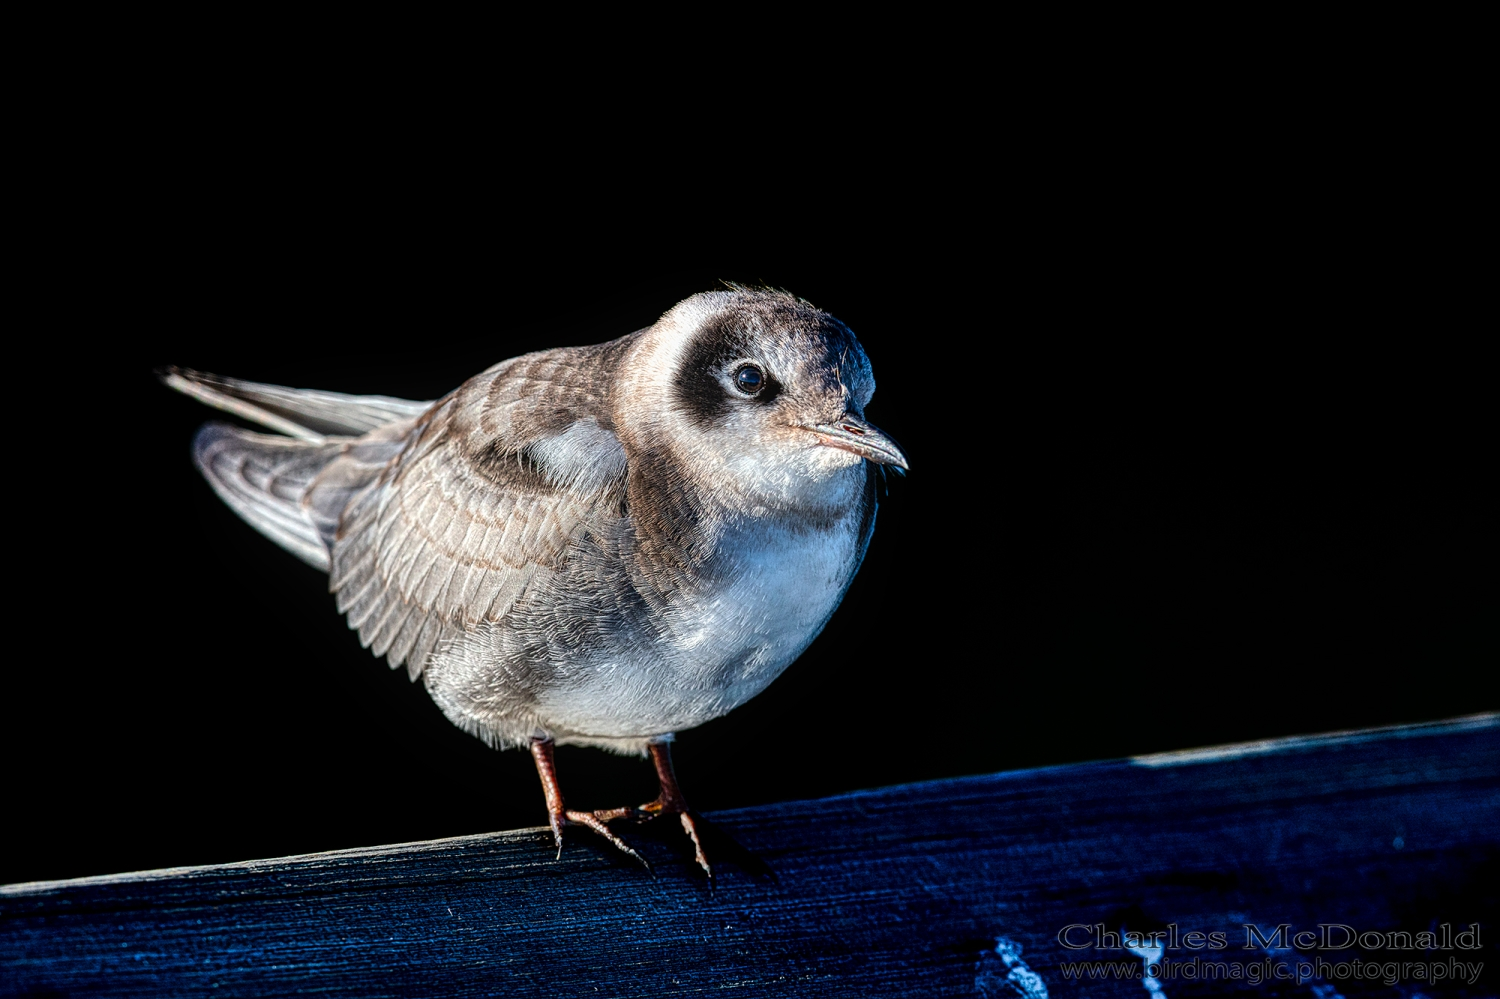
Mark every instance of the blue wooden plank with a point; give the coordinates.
(957, 887)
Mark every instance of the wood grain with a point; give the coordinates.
(900, 891)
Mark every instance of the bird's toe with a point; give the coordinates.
(592, 821)
(690, 826)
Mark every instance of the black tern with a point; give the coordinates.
(600, 545)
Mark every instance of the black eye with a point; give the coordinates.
(749, 379)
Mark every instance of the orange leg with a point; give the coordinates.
(669, 801)
(558, 814)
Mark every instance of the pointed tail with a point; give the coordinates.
(264, 477)
(307, 414)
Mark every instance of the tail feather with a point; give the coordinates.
(263, 477)
(307, 414)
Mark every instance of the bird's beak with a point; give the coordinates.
(850, 433)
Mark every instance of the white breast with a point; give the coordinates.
(722, 647)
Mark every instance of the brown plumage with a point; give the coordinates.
(600, 545)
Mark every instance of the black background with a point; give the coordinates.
(1198, 455)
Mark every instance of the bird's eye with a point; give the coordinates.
(749, 379)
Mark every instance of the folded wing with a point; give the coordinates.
(262, 477)
(489, 489)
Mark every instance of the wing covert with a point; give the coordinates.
(488, 491)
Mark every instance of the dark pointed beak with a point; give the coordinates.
(850, 433)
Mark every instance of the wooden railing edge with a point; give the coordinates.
(1206, 754)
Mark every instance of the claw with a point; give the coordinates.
(691, 828)
(669, 802)
(593, 822)
(558, 815)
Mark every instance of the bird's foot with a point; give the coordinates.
(590, 820)
(669, 801)
(558, 816)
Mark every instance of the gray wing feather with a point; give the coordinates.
(262, 478)
(309, 414)
(438, 517)
(481, 501)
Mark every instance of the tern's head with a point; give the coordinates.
(765, 389)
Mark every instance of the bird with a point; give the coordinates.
(599, 545)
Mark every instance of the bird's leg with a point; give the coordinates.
(558, 814)
(669, 801)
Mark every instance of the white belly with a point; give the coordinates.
(721, 648)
